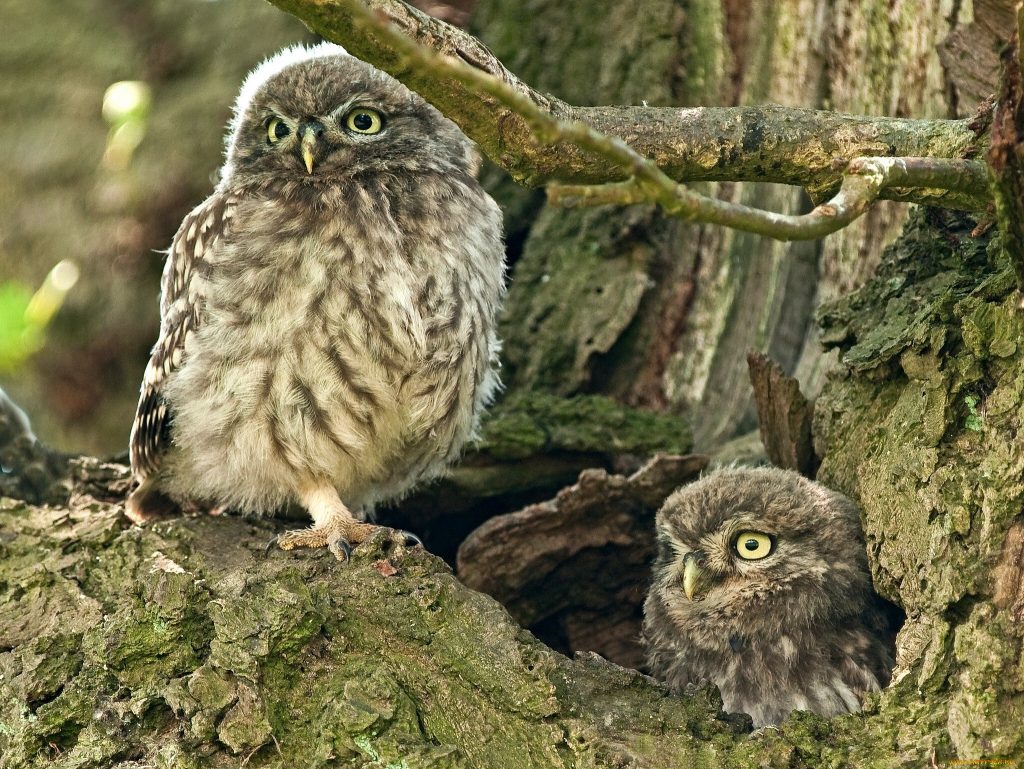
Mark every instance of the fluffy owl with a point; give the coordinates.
(761, 586)
(327, 332)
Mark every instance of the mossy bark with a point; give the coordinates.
(584, 278)
(660, 313)
(923, 430)
(187, 644)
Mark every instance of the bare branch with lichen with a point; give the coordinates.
(863, 182)
(541, 140)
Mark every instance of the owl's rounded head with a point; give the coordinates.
(749, 550)
(312, 116)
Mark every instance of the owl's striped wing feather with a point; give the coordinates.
(181, 305)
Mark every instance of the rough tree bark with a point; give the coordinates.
(677, 307)
(186, 644)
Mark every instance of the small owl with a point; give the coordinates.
(327, 332)
(761, 586)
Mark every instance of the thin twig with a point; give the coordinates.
(864, 180)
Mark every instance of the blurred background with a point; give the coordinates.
(114, 114)
(114, 130)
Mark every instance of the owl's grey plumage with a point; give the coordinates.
(761, 586)
(327, 314)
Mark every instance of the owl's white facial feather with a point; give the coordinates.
(286, 57)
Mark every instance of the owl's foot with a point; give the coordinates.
(341, 547)
(337, 536)
(334, 525)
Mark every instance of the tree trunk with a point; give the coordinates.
(190, 644)
(660, 313)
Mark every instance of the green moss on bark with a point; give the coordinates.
(923, 431)
(528, 424)
(209, 651)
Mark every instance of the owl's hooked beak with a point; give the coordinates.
(309, 134)
(693, 576)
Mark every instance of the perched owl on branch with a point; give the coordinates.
(327, 314)
(761, 586)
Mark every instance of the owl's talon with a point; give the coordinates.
(342, 550)
(411, 540)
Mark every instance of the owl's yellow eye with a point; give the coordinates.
(364, 121)
(277, 129)
(753, 545)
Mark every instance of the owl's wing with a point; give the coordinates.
(181, 306)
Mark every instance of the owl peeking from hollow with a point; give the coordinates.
(761, 587)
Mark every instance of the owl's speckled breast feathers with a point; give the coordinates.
(761, 586)
(328, 314)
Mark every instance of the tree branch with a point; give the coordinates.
(864, 181)
(502, 114)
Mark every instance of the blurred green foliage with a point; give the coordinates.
(119, 129)
(24, 315)
(126, 107)
(18, 338)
